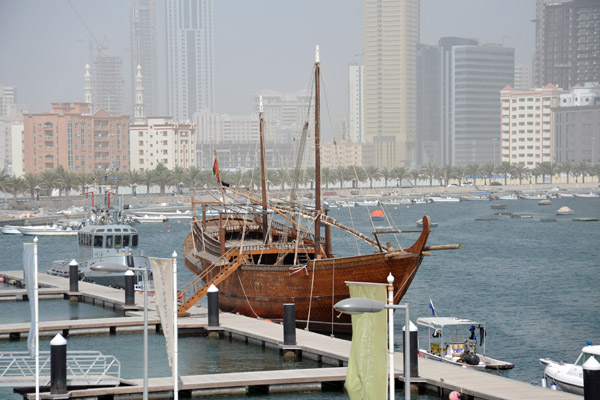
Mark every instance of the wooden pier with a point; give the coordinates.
(433, 377)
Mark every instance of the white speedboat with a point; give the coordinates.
(437, 199)
(150, 218)
(47, 230)
(170, 215)
(10, 230)
(569, 377)
(511, 196)
(454, 341)
(587, 195)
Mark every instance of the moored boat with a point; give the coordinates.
(260, 261)
(460, 346)
(47, 230)
(569, 377)
(564, 210)
(10, 230)
(150, 218)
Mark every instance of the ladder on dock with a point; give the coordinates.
(218, 271)
(84, 368)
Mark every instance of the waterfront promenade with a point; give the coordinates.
(433, 377)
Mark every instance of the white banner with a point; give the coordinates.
(162, 271)
(29, 272)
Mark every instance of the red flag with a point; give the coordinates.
(216, 171)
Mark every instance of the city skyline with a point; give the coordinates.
(248, 56)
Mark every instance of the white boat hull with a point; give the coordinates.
(568, 377)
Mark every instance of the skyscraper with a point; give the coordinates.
(107, 84)
(391, 34)
(190, 71)
(144, 53)
(356, 103)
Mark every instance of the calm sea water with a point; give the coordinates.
(533, 283)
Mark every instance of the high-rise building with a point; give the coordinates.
(144, 53)
(8, 96)
(107, 84)
(567, 42)
(190, 70)
(459, 104)
(391, 34)
(522, 81)
(577, 125)
(356, 103)
(71, 136)
(527, 126)
(284, 114)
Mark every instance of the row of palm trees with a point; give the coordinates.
(193, 177)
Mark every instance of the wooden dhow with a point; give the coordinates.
(264, 258)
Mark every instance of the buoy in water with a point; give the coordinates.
(454, 395)
(1, 279)
(169, 226)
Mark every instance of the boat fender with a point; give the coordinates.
(102, 219)
(472, 359)
(454, 395)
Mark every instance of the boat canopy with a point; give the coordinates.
(595, 350)
(440, 322)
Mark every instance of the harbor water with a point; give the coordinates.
(533, 283)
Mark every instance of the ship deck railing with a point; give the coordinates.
(84, 368)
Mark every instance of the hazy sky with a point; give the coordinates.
(258, 44)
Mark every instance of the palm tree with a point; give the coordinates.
(567, 168)
(192, 177)
(520, 171)
(341, 175)
(162, 177)
(372, 173)
(400, 173)
(487, 171)
(430, 170)
(14, 185)
(535, 172)
(445, 174)
(547, 168)
(595, 171)
(415, 174)
(148, 179)
(358, 173)
(387, 174)
(505, 168)
(284, 177)
(67, 181)
(582, 168)
(473, 171)
(49, 180)
(83, 179)
(328, 176)
(32, 181)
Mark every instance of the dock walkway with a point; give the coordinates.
(433, 375)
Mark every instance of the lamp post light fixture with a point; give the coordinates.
(37, 192)
(359, 305)
(108, 267)
(86, 188)
(134, 189)
(180, 188)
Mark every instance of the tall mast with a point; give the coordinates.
(263, 171)
(317, 155)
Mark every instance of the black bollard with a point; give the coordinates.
(213, 306)
(289, 324)
(58, 365)
(129, 288)
(591, 379)
(414, 349)
(73, 276)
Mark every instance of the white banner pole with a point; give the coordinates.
(36, 319)
(175, 331)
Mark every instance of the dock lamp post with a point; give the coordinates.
(86, 187)
(37, 192)
(108, 267)
(359, 305)
(180, 188)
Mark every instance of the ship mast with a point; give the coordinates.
(317, 156)
(263, 171)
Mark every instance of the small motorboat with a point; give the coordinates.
(587, 195)
(569, 377)
(564, 210)
(150, 218)
(10, 230)
(498, 206)
(454, 341)
(377, 215)
(47, 230)
(545, 202)
(447, 199)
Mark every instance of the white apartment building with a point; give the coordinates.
(527, 124)
(335, 155)
(161, 141)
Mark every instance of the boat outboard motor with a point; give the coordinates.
(482, 334)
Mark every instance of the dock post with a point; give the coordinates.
(414, 349)
(591, 379)
(289, 324)
(213, 306)
(73, 276)
(129, 288)
(58, 365)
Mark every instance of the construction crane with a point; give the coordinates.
(101, 45)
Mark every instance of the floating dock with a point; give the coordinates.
(434, 377)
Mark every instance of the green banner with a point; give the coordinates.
(366, 377)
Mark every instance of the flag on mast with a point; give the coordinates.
(216, 173)
(432, 308)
